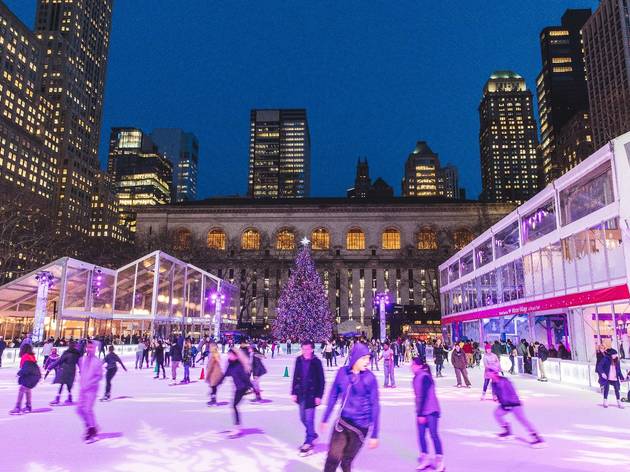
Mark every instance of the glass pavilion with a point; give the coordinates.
(156, 293)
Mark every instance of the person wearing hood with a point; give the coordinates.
(28, 377)
(65, 371)
(357, 389)
(609, 371)
(91, 370)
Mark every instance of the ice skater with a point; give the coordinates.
(65, 371)
(609, 370)
(159, 360)
(388, 366)
(307, 390)
(214, 373)
(427, 415)
(186, 360)
(460, 364)
(239, 369)
(176, 358)
(111, 360)
(258, 370)
(357, 389)
(28, 377)
(91, 370)
(509, 402)
(491, 364)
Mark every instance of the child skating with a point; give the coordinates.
(28, 377)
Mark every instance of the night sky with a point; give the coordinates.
(374, 76)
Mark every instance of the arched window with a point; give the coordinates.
(390, 239)
(461, 238)
(182, 239)
(216, 239)
(320, 239)
(250, 240)
(355, 240)
(285, 241)
(427, 240)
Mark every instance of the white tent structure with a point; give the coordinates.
(156, 293)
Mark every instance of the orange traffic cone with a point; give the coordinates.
(202, 376)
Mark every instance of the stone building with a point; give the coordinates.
(360, 246)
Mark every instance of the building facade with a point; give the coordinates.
(106, 216)
(607, 58)
(448, 182)
(142, 175)
(182, 150)
(74, 35)
(561, 87)
(508, 141)
(556, 270)
(279, 154)
(360, 247)
(421, 169)
(365, 188)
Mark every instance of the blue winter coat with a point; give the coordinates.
(603, 367)
(29, 374)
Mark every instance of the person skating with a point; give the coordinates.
(91, 372)
(28, 377)
(307, 390)
(3, 346)
(239, 369)
(47, 349)
(427, 415)
(509, 402)
(542, 354)
(357, 389)
(111, 360)
(65, 371)
(159, 360)
(258, 370)
(609, 371)
(460, 364)
(176, 358)
(388, 366)
(50, 360)
(491, 364)
(439, 353)
(214, 373)
(139, 352)
(186, 360)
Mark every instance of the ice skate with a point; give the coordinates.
(16, 411)
(605, 404)
(68, 400)
(105, 398)
(438, 465)
(425, 462)
(619, 405)
(27, 409)
(537, 442)
(505, 434)
(306, 450)
(233, 433)
(55, 401)
(90, 436)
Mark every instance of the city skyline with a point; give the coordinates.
(418, 100)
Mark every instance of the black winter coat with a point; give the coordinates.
(29, 374)
(438, 355)
(239, 375)
(314, 383)
(258, 368)
(66, 367)
(176, 353)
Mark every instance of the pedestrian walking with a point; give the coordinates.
(307, 390)
(239, 369)
(28, 377)
(91, 370)
(460, 363)
(357, 389)
(214, 373)
(427, 415)
(111, 361)
(388, 366)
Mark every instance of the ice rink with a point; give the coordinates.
(152, 425)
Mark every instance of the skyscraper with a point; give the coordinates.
(448, 182)
(142, 175)
(182, 149)
(607, 58)
(421, 170)
(510, 169)
(561, 89)
(28, 143)
(362, 181)
(75, 37)
(279, 154)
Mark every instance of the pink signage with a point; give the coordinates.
(601, 295)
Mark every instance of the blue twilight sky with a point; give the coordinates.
(374, 76)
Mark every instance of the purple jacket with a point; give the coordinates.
(91, 369)
(507, 396)
(424, 390)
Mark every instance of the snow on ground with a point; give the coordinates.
(151, 425)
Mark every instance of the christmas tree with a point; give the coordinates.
(303, 310)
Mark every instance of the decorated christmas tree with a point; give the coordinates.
(303, 310)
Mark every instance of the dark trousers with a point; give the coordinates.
(438, 368)
(616, 385)
(160, 365)
(344, 446)
(328, 360)
(432, 426)
(238, 396)
(307, 416)
(167, 359)
(511, 364)
(396, 360)
(145, 355)
(108, 380)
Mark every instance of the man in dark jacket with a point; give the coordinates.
(307, 391)
(542, 354)
(460, 363)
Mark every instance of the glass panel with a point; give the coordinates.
(179, 283)
(555, 252)
(165, 278)
(581, 246)
(539, 222)
(529, 277)
(355, 240)
(606, 327)
(456, 293)
(144, 287)
(622, 325)
(537, 273)
(193, 294)
(453, 272)
(444, 277)
(488, 286)
(616, 260)
(466, 264)
(470, 330)
(320, 240)
(590, 193)
(483, 253)
(102, 292)
(508, 283)
(208, 306)
(506, 241)
(124, 290)
(597, 249)
(391, 239)
(520, 278)
(76, 288)
(546, 261)
(568, 254)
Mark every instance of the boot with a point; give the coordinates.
(15, 411)
(68, 400)
(438, 465)
(619, 405)
(55, 401)
(483, 396)
(425, 462)
(537, 442)
(506, 433)
(27, 409)
(605, 404)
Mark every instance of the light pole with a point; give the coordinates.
(218, 299)
(44, 282)
(381, 300)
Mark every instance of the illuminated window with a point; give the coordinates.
(320, 239)
(182, 240)
(355, 240)
(250, 240)
(285, 241)
(390, 239)
(216, 239)
(461, 238)
(427, 240)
